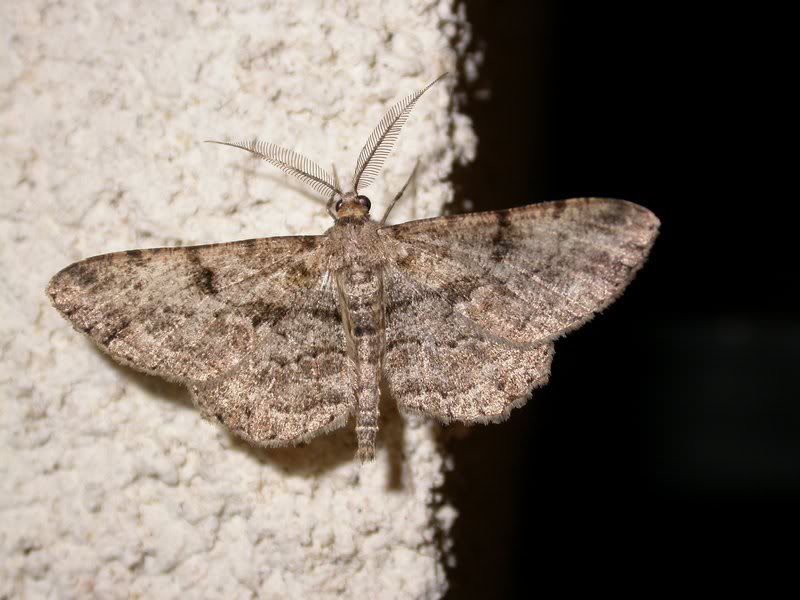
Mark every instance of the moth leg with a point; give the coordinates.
(399, 195)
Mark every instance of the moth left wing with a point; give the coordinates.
(189, 313)
(292, 386)
(530, 274)
(252, 328)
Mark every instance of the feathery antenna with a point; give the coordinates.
(288, 161)
(383, 138)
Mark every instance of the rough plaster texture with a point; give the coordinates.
(111, 485)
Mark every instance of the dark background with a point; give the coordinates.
(668, 438)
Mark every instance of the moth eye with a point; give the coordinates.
(364, 201)
(338, 205)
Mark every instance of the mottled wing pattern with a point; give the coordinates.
(220, 317)
(528, 275)
(295, 383)
(439, 363)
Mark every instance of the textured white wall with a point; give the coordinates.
(110, 482)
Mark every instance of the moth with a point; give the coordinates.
(283, 338)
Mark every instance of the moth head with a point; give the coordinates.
(352, 204)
